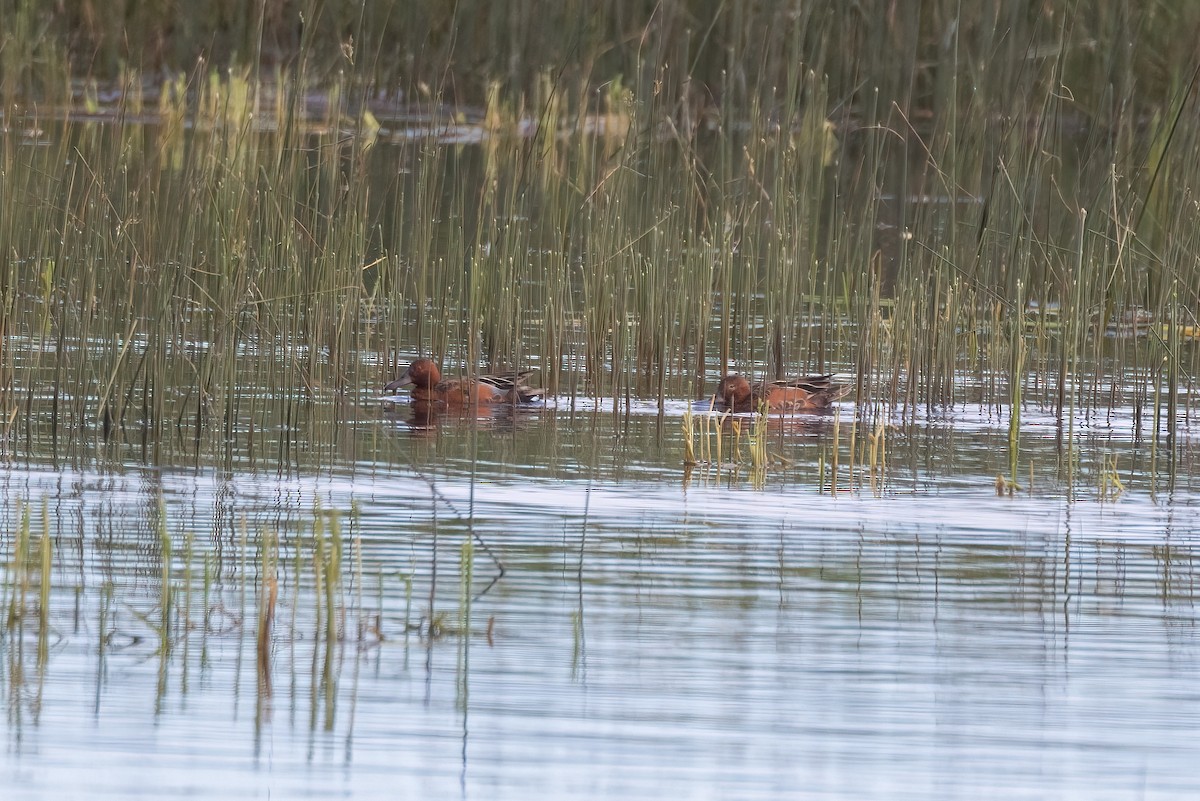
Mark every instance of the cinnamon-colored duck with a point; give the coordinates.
(810, 393)
(425, 378)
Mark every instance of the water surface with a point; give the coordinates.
(631, 629)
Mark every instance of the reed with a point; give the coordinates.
(206, 602)
(331, 583)
(758, 442)
(835, 448)
(165, 596)
(877, 459)
(466, 574)
(1109, 483)
(688, 429)
(793, 190)
(267, 601)
(188, 585)
(45, 581)
(137, 591)
(18, 584)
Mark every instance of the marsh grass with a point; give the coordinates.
(267, 602)
(816, 192)
(163, 598)
(466, 577)
(722, 444)
(876, 462)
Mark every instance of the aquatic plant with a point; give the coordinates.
(792, 190)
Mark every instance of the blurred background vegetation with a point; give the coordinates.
(693, 51)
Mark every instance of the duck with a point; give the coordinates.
(425, 378)
(809, 393)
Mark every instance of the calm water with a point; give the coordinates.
(652, 635)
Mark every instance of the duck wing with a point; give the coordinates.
(506, 382)
(514, 386)
(828, 387)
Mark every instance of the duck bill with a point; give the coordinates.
(403, 381)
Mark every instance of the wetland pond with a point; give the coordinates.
(545, 604)
(230, 569)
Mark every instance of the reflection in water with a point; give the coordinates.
(581, 620)
(424, 418)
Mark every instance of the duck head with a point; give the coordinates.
(734, 390)
(423, 374)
